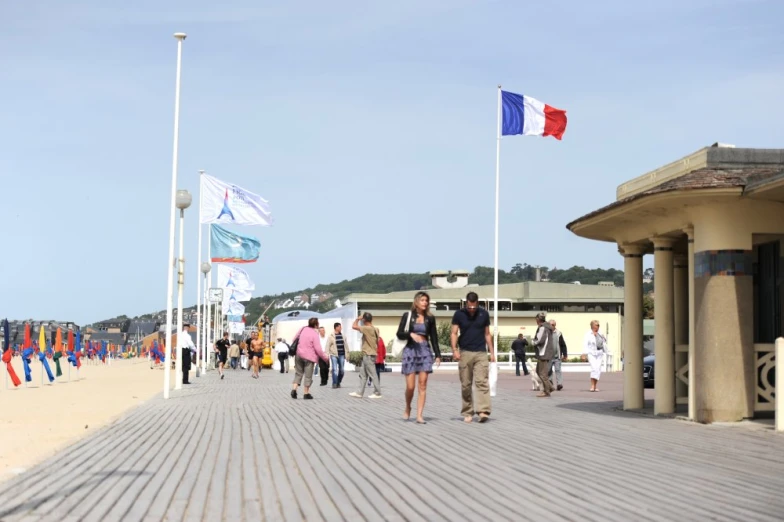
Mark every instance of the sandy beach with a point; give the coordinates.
(37, 422)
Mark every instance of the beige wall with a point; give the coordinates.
(573, 325)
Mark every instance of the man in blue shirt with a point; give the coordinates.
(471, 340)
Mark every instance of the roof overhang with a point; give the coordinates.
(771, 189)
(630, 220)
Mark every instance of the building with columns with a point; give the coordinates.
(713, 222)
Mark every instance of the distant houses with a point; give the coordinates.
(302, 300)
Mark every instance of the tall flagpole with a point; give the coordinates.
(169, 268)
(497, 192)
(207, 285)
(199, 313)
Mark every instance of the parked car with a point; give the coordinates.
(648, 367)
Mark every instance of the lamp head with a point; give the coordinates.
(205, 268)
(183, 199)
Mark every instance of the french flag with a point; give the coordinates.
(530, 117)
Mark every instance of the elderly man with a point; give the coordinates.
(560, 355)
(544, 344)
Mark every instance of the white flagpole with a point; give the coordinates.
(207, 285)
(169, 268)
(497, 192)
(200, 322)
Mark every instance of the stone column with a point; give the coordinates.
(724, 356)
(680, 276)
(664, 336)
(692, 316)
(633, 397)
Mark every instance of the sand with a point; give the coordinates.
(36, 422)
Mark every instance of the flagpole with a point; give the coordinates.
(200, 323)
(169, 268)
(207, 285)
(497, 192)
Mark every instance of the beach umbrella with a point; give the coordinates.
(8, 353)
(70, 351)
(58, 352)
(28, 340)
(26, 354)
(78, 349)
(42, 354)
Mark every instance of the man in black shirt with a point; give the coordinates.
(222, 347)
(518, 347)
(471, 340)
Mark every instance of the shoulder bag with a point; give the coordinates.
(398, 344)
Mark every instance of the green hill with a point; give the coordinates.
(384, 283)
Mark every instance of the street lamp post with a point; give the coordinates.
(205, 269)
(183, 201)
(170, 282)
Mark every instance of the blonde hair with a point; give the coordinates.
(416, 298)
(595, 322)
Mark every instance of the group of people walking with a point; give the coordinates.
(471, 344)
(315, 354)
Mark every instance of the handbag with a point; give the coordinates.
(399, 344)
(293, 347)
(492, 377)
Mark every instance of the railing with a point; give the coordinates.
(779, 372)
(764, 369)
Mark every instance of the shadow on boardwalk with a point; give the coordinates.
(241, 449)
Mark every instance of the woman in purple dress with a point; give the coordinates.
(419, 330)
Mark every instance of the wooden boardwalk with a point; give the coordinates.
(242, 449)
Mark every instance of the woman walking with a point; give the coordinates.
(595, 346)
(418, 328)
(308, 353)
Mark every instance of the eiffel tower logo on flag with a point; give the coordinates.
(226, 210)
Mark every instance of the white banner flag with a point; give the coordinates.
(223, 202)
(231, 277)
(236, 328)
(235, 308)
(231, 296)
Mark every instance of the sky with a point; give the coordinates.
(370, 127)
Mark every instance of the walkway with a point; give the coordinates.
(241, 449)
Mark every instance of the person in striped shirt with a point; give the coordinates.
(337, 349)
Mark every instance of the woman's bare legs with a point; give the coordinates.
(410, 384)
(422, 396)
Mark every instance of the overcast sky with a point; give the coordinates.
(369, 127)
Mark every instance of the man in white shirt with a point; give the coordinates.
(282, 349)
(322, 365)
(186, 347)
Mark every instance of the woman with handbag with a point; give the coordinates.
(418, 330)
(308, 352)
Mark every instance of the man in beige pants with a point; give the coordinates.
(471, 340)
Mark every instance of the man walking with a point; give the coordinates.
(471, 340)
(544, 344)
(256, 353)
(560, 355)
(186, 345)
(337, 348)
(222, 348)
(518, 347)
(282, 349)
(369, 351)
(323, 366)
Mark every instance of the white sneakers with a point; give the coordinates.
(358, 396)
